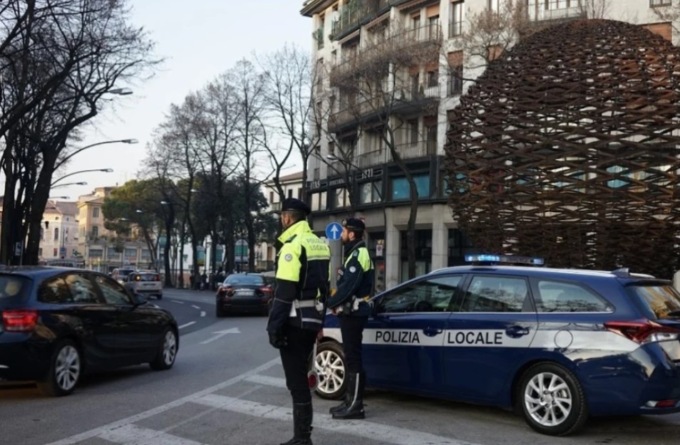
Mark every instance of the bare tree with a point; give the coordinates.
(290, 78)
(60, 61)
(387, 91)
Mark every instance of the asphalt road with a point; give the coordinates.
(227, 387)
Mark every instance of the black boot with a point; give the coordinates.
(355, 409)
(302, 424)
(347, 400)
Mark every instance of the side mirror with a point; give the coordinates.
(140, 299)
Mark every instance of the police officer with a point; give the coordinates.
(298, 310)
(350, 304)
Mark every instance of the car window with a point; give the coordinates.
(113, 292)
(557, 296)
(659, 301)
(488, 293)
(144, 277)
(55, 290)
(82, 289)
(12, 288)
(244, 279)
(432, 295)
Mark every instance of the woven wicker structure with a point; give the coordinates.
(568, 147)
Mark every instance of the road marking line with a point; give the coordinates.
(202, 313)
(195, 307)
(267, 380)
(165, 407)
(177, 301)
(131, 434)
(186, 325)
(361, 428)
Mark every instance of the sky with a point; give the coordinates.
(199, 40)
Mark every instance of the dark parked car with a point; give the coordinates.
(559, 345)
(57, 323)
(245, 293)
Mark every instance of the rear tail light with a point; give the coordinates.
(643, 331)
(670, 403)
(267, 290)
(19, 320)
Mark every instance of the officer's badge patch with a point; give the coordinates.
(352, 269)
(288, 257)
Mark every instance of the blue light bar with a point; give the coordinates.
(507, 259)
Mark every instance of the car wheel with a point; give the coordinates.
(65, 370)
(330, 368)
(167, 352)
(551, 400)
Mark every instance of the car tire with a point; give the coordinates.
(551, 400)
(167, 351)
(66, 367)
(329, 365)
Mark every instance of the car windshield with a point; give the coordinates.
(12, 288)
(659, 301)
(244, 279)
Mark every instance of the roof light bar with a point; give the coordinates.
(507, 259)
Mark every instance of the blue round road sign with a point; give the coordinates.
(333, 231)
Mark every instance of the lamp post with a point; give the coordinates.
(96, 144)
(54, 183)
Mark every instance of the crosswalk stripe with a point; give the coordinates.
(132, 434)
(266, 380)
(361, 428)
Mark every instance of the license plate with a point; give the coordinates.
(244, 292)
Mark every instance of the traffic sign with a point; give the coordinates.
(333, 231)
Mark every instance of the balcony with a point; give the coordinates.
(402, 47)
(359, 12)
(407, 150)
(541, 14)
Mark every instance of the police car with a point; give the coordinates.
(558, 345)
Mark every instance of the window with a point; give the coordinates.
(319, 201)
(146, 255)
(432, 78)
(299, 193)
(431, 138)
(56, 234)
(558, 296)
(111, 254)
(493, 5)
(413, 131)
(455, 80)
(456, 19)
(331, 148)
(95, 232)
(341, 198)
(653, 3)
(96, 253)
(433, 295)
(495, 294)
(290, 193)
(112, 292)
(401, 190)
(433, 27)
(54, 290)
(95, 212)
(370, 192)
(82, 290)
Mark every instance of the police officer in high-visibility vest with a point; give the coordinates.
(350, 304)
(298, 308)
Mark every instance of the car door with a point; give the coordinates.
(403, 341)
(488, 336)
(97, 321)
(138, 332)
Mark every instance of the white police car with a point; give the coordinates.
(559, 345)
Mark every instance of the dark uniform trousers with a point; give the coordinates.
(351, 328)
(295, 359)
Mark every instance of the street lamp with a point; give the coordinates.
(120, 91)
(115, 141)
(59, 197)
(103, 170)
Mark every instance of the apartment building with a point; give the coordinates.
(100, 248)
(59, 232)
(396, 68)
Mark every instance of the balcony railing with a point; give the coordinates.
(359, 12)
(400, 46)
(542, 14)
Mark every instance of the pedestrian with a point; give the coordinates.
(192, 280)
(298, 308)
(350, 302)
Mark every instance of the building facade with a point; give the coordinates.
(59, 232)
(100, 248)
(387, 72)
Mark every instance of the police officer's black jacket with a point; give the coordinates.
(356, 279)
